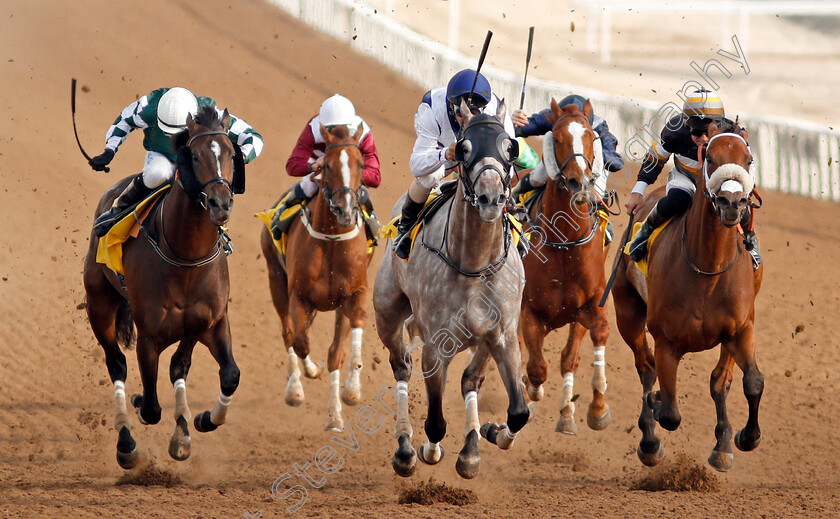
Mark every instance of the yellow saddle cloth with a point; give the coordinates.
(643, 264)
(109, 250)
(267, 217)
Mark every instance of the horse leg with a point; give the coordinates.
(595, 319)
(297, 347)
(743, 348)
(352, 391)
(179, 444)
(431, 452)
(569, 361)
(469, 459)
(219, 343)
(664, 401)
(630, 316)
(721, 457)
(334, 360)
(392, 308)
(148, 355)
(278, 284)
(508, 361)
(109, 315)
(533, 333)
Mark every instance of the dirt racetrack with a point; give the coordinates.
(57, 443)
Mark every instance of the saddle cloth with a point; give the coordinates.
(643, 264)
(267, 217)
(109, 250)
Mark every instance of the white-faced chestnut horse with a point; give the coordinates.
(565, 269)
(324, 269)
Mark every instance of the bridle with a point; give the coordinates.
(331, 194)
(561, 167)
(215, 180)
(503, 172)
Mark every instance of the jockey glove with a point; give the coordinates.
(99, 162)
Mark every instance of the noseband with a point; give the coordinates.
(215, 180)
(330, 193)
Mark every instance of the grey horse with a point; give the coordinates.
(463, 284)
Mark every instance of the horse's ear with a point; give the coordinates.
(555, 110)
(359, 131)
(226, 119)
(325, 134)
(713, 130)
(465, 112)
(587, 109)
(744, 133)
(190, 123)
(501, 112)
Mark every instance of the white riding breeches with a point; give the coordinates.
(157, 169)
(679, 180)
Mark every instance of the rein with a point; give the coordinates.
(694, 267)
(444, 244)
(180, 261)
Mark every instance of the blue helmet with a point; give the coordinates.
(461, 84)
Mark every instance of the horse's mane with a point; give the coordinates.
(728, 126)
(208, 117)
(339, 132)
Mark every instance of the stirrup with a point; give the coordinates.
(227, 243)
(402, 245)
(108, 219)
(609, 234)
(638, 249)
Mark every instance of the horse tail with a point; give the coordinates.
(125, 326)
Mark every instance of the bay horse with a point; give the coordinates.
(324, 269)
(700, 292)
(565, 270)
(463, 284)
(176, 285)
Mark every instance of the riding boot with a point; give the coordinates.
(372, 225)
(750, 240)
(294, 197)
(133, 194)
(639, 247)
(410, 212)
(521, 188)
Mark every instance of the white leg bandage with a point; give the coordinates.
(356, 348)
(122, 419)
(432, 452)
(181, 406)
(568, 392)
(293, 369)
(505, 438)
(219, 412)
(310, 367)
(403, 425)
(599, 375)
(471, 405)
(334, 420)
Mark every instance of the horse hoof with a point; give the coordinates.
(311, 369)
(598, 423)
(566, 425)
(535, 393)
(746, 447)
(721, 461)
(334, 424)
(203, 423)
(351, 393)
(532, 410)
(127, 454)
(405, 458)
(469, 459)
(429, 456)
(179, 444)
(650, 459)
(294, 393)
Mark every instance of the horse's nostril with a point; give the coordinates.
(213, 203)
(502, 199)
(574, 183)
(483, 200)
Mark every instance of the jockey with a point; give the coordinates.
(161, 115)
(542, 122)
(307, 159)
(700, 109)
(437, 124)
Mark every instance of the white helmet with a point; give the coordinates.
(174, 106)
(337, 110)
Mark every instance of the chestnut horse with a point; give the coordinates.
(700, 292)
(325, 268)
(176, 286)
(565, 271)
(463, 284)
